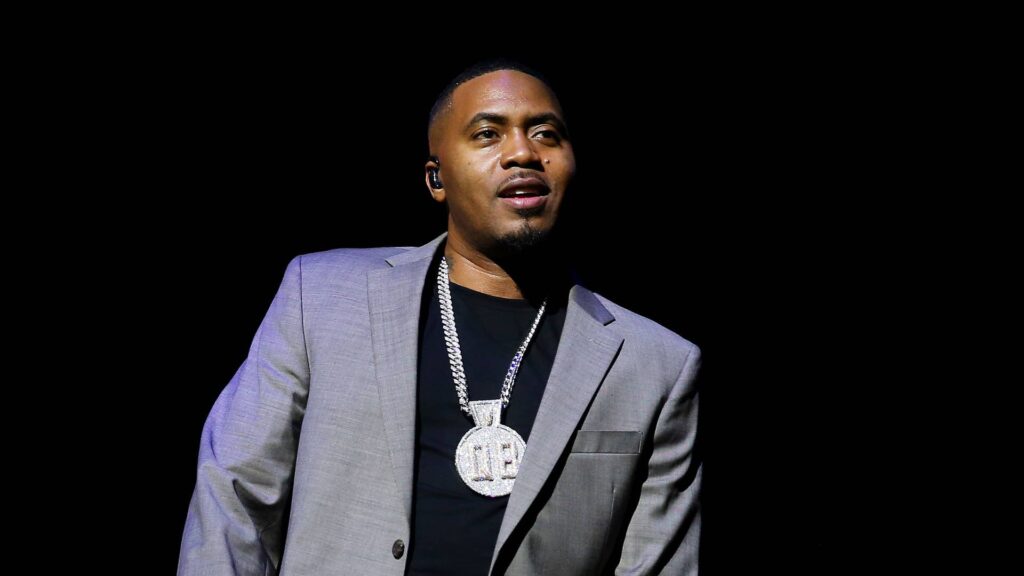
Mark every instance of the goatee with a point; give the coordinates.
(520, 243)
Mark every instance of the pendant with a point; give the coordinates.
(489, 455)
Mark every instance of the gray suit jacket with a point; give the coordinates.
(306, 460)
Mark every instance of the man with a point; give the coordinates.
(461, 407)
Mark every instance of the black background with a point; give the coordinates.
(714, 195)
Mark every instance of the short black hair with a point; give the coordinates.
(444, 99)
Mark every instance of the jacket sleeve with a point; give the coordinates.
(235, 523)
(663, 534)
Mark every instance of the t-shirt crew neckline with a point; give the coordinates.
(490, 300)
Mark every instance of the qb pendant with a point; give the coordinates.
(489, 455)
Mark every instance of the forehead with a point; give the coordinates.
(506, 92)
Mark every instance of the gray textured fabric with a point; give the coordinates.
(318, 424)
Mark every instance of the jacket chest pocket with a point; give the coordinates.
(606, 442)
(585, 509)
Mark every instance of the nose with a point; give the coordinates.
(518, 150)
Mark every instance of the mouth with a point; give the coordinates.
(525, 195)
(531, 202)
(524, 192)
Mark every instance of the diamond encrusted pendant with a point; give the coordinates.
(489, 455)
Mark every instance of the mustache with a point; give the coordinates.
(522, 174)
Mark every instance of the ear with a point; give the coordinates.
(433, 164)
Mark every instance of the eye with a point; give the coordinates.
(485, 134)
(548, 134)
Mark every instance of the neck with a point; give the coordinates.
(524, 277)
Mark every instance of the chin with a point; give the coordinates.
(522, 240)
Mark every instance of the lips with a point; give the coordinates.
(523, 188)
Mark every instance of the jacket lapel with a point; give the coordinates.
(586, 350)
(395, 295)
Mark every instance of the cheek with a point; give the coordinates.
(473, 190)
(469, 201)
(564, 168)
(561, 181)
(570, 165)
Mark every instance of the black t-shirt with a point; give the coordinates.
(454, 528)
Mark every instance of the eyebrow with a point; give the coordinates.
(543, 118)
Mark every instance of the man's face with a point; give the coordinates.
(505, 158)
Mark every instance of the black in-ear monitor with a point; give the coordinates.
(435, 180)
